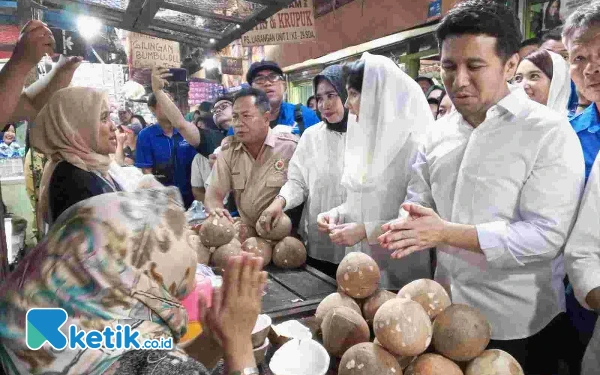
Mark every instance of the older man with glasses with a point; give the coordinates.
(285, 117)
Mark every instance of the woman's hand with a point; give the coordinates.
(327, 221)
(348, 234)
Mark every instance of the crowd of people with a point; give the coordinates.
(488, 181)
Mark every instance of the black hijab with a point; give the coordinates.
(334, 75)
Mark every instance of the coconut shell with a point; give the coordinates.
(243, 231)
(358, 275)
(432, 364)
(282, 229)
(343, 328)
(402, 361)
(258, 247)
(202, 252)
(289, 253)
(461, 333)
(368, 359)
(431, 295)
(373, 303)
(494, 362)
(222, 254)
(402, 327)
(216, 231)
(331, 302)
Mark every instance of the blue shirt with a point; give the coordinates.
(587, 126)
(286, 117)
(573, 99)
(154, 149)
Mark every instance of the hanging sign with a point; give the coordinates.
(294, 24)
(232, 66)
(435, 10)
(147, 52)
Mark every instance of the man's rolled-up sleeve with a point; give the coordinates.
(220, 177)
(547, 206)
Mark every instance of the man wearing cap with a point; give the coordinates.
(268, 77)
(254, 164)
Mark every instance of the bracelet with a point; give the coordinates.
(284, 200)
(247, 371)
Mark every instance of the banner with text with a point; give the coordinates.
(148, 51)
(294, 24)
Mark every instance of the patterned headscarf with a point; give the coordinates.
(117, 258)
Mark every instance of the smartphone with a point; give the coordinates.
(69, 43)
(178, 75)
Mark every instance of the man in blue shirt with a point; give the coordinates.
(268, 77)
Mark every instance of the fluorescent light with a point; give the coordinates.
(88, 26)
(210, 64)
(212, 41)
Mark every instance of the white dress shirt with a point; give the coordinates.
(314, 176)
(582, 257)
(518, 178)
(200, 171)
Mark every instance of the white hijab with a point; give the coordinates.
(560, 86)
(392, 108)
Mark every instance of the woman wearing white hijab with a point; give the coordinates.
(391, 114)
(545, 77)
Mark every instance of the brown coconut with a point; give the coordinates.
(402, 327)
(289, 253)
(432, 364)
(202, 252)
(221, 255)
(243, 231)
(216, 231)
(258, 247)
(281, 229)
(402, 361)
(358, 275)
(431, 295)
(331, 302)
(494, 362)
(343, 328)
(373, 303)
(367, 359)
(461, 333)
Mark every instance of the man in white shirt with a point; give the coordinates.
(200, 172)
(495, 189)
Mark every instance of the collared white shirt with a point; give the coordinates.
(582, 258)
(314, 176)
(518, 178)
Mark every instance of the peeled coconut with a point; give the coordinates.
(494, 362)
(367, 359)
(373, 303)
(431, 295)
(331, 302)
(258, 247)
(358, 275)
(461, 333)
(243, 231)
(202, 252)
(281, 229)
(216, 231)
(222, 254)
(432, 364)
(289, 253)
(402, 361)
(402, 327)
(343, 328)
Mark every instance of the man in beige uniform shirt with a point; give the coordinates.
(254, 164)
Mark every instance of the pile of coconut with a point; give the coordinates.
(415, 332)
(218, 240)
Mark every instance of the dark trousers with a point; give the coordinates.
(327, 268)
(541, 353)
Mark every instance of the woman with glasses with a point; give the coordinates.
(315, 171)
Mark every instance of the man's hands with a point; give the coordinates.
(68, 64)
(423, 229)
(236, 305)
(270, 217)
(220, 212)
(35, 41)
(159, 78)
(348, 234)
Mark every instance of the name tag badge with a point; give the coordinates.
(183, 143)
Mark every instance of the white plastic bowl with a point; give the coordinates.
(300, 357)
(261, 330)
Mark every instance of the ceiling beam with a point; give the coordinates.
(259, 17)
(132, 13)
(203, 14)
(148, 13)
(90, 9)
(191, 30)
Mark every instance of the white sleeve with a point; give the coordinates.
(419, 187)
(196, 179)
(582, 252)
(295, 190)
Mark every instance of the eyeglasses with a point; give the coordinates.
(220, 108)
(261, 80)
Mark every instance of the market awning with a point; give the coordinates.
(204, 23)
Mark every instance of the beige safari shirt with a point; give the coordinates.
(255, 183)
